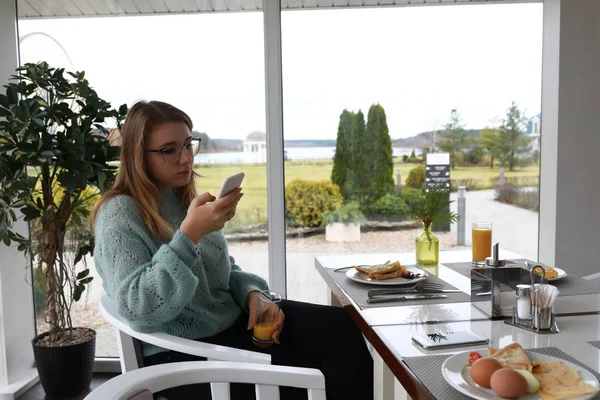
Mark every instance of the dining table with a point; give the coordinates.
(390, 326)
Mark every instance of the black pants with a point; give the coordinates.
(313, 336)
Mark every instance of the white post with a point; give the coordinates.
(17, 320)
(275, 164)
(462, 213)
(569, 210)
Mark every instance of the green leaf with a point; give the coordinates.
(83, 274)
(30, 212)
(86, 280)
(12, 95)
(5, 112)
(4, 101)
(77, 292)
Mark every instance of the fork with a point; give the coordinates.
(352, 266)
(417, 287)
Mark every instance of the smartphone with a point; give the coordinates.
(449, 339)
(233, 182)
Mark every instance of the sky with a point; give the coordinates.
(419, 63)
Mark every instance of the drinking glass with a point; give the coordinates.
(267, 311)
(482, 242)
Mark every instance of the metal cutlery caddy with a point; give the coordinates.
(493, 289)
(493, 292)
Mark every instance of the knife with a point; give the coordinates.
(408, 297)
(382, 292)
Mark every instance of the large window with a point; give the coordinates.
(386, 86)
(392, 83)
(209, 65)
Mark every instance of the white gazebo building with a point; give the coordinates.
(534, 131)
(255, 148)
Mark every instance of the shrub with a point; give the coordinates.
(470, 184)
(411, 196)
(517, 180)
(346, 214)
(507, 193)
(306, 201)
(529, 199)
(391, 205)
(459, 159)
(474, 156)
(512, 194)
(416, 178)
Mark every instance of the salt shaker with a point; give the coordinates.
(524, 302)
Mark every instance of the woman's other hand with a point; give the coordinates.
(206, 215)
(252, 304)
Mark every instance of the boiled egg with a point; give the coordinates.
(482, 370)
(508, 383)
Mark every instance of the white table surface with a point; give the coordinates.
(574, 334)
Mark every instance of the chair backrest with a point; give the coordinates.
(130, 349)
(267, 379)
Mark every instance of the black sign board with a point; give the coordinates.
(438, 175)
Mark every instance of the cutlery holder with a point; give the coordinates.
(493, 289)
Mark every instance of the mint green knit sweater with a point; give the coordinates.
(175, 286)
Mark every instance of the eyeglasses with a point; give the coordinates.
(171, 154)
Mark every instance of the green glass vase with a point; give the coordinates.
(428, 248)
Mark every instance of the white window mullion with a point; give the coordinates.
(17, 322)
(275, 165)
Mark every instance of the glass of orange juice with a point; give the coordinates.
(482, 242)
(267, 311)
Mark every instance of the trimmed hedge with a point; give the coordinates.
(306, 201)
(416, 178)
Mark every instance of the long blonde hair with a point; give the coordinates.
(133, 179)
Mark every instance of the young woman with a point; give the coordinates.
(163, 258)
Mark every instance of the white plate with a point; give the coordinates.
(363, 278)
(457, 373)
(561, 274)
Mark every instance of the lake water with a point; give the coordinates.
(293, 153)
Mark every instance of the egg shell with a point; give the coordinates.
(508, 383)
(482, 370)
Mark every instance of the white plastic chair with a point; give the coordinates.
(130, 353)
(142, 383)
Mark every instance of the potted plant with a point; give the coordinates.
(54, 158)
(431, 209)
(343, 223)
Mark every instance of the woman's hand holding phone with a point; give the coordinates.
(207, 214)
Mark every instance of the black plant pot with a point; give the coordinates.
(65, 371)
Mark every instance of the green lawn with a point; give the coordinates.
(253, 207)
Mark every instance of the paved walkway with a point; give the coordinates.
(516, 229)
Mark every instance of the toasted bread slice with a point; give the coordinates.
(363, 269)
(395, 274)
(384, 269)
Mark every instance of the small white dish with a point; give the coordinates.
(561, 274)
